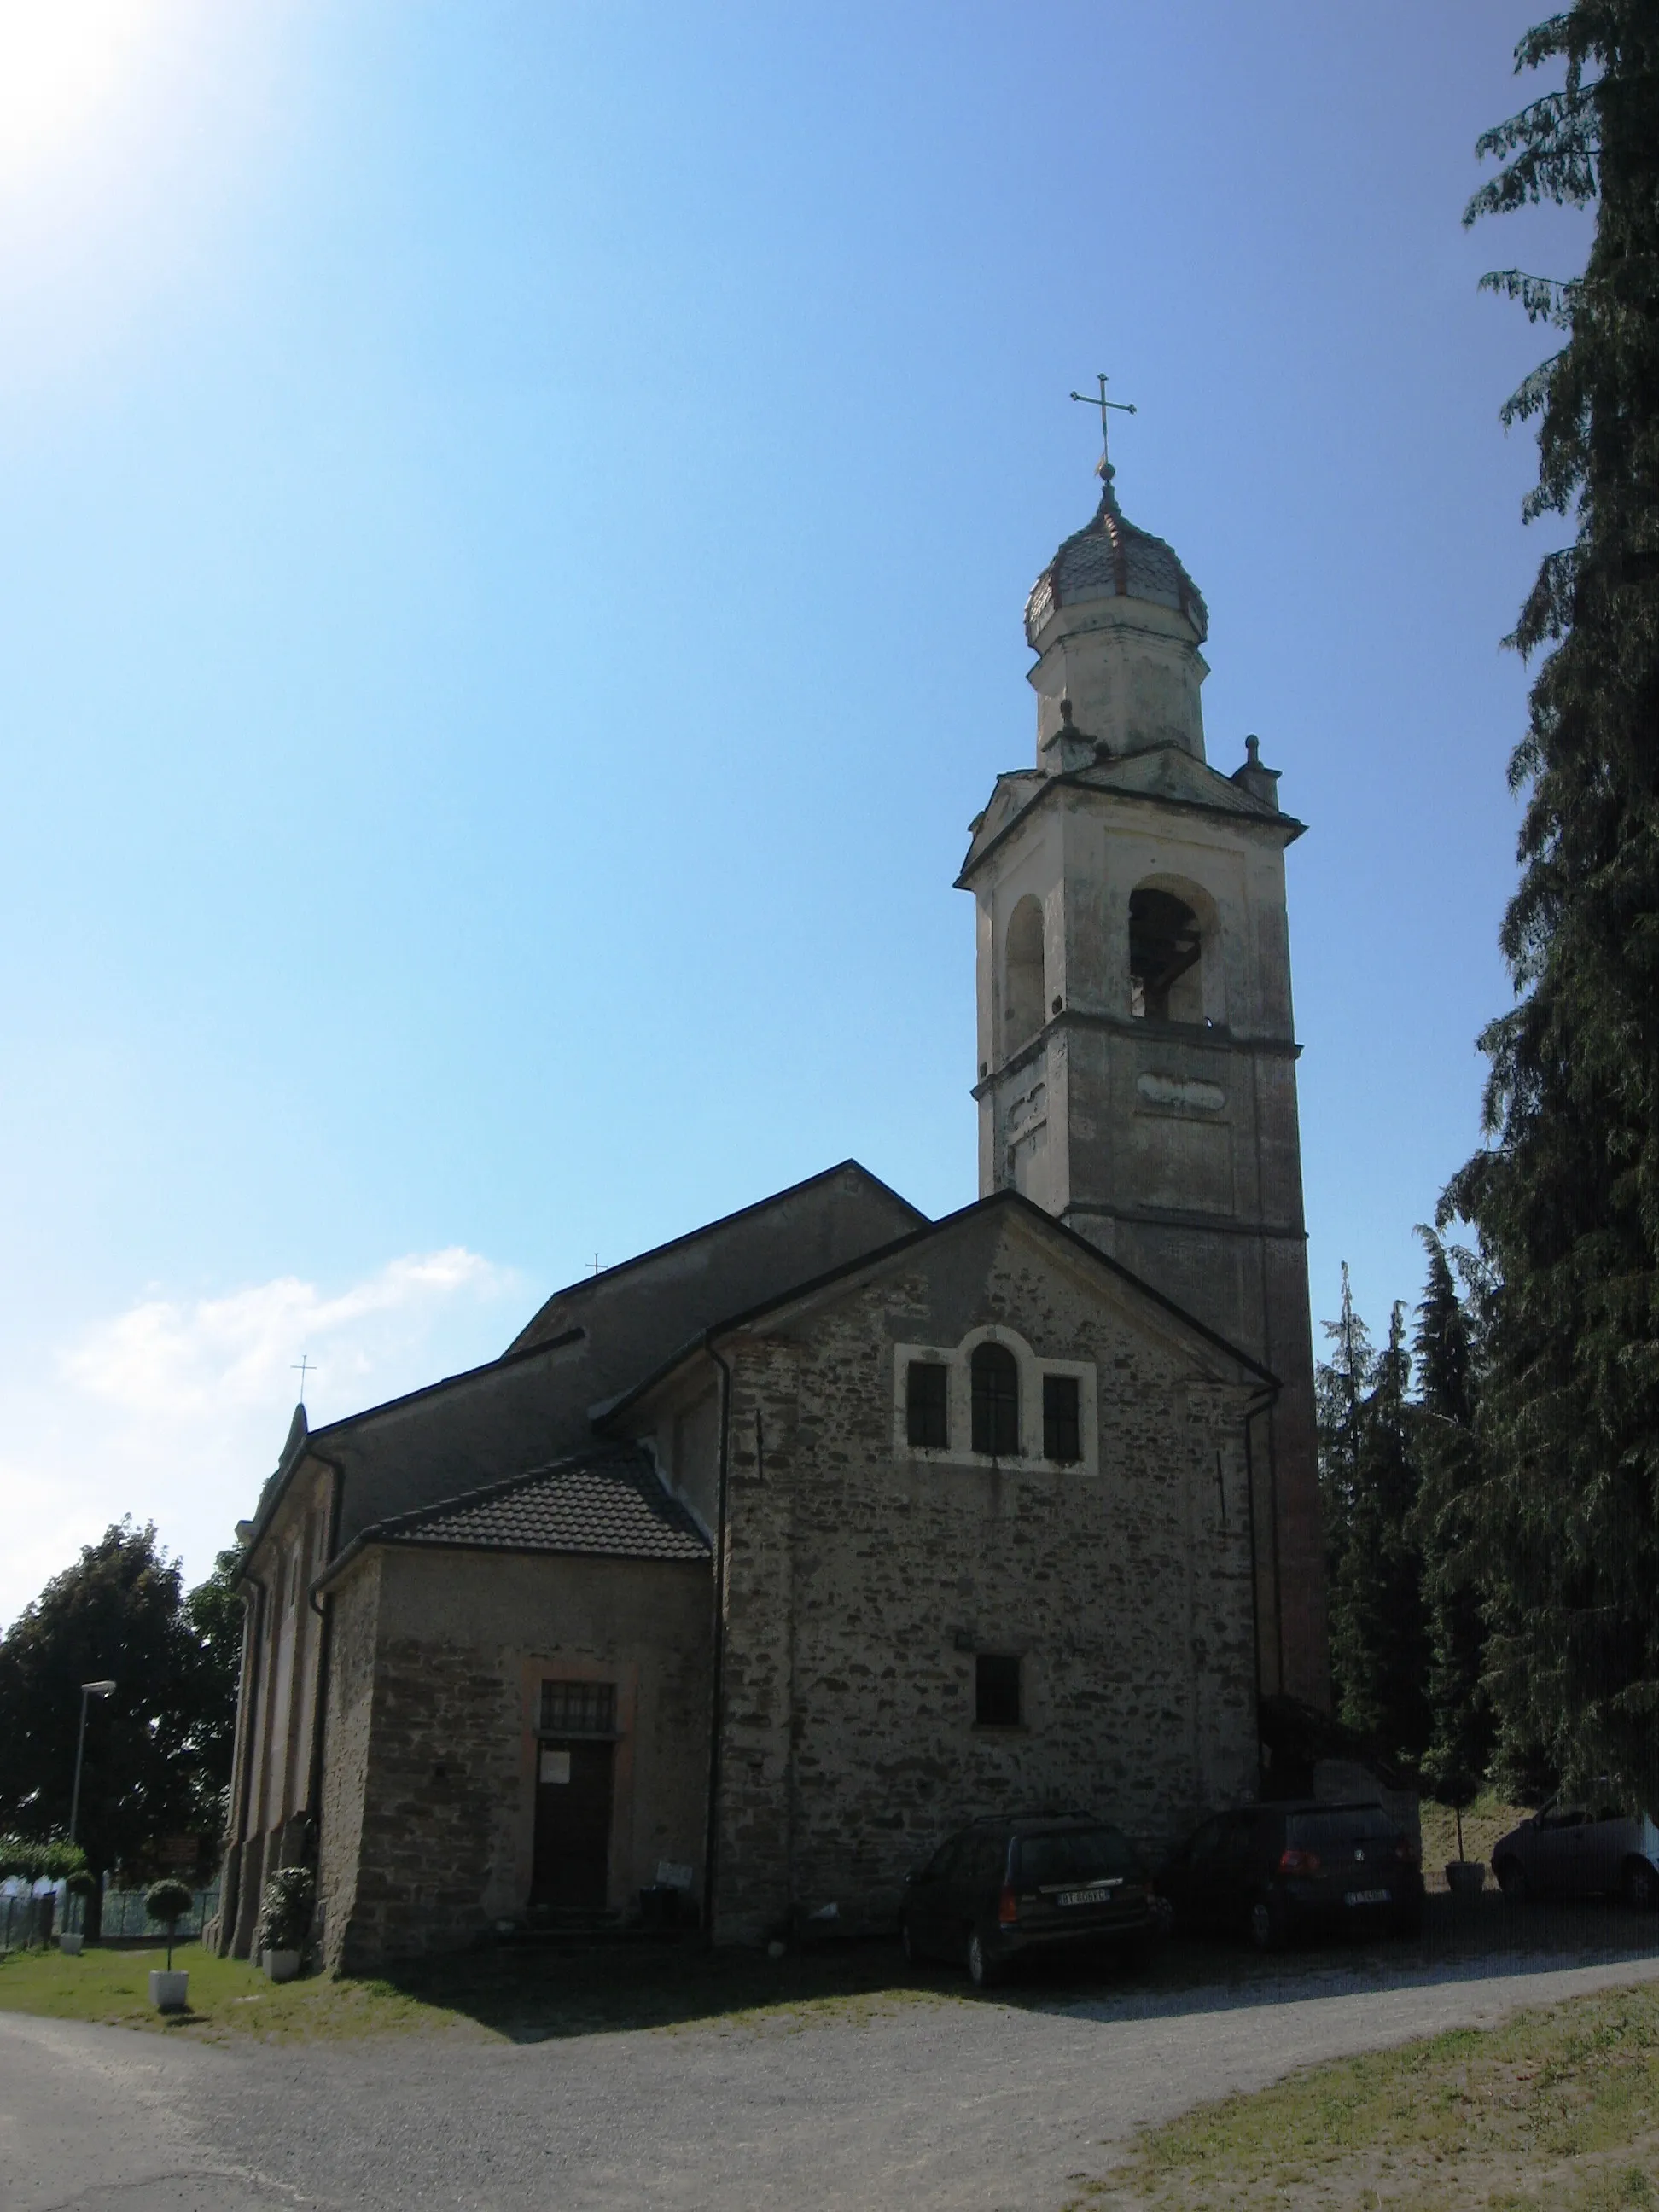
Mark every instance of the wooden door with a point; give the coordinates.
(573, 1825)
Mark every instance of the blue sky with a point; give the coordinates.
(514, 523)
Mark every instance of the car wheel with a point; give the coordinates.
(1512, 1880)
(1266, 1924)
(982, 1969)
(1640, 1885)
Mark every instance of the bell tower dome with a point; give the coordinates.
(1117, 623)
(1137, 1052)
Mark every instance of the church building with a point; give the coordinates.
(756, 1564)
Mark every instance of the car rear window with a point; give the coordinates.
(1334, 1832)
(1075, 1855)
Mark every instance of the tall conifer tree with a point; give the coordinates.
(1448, 1458)
(1566, 1196)
(1378, 1647)
(1340, 1385)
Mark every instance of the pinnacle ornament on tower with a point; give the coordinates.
(1117, 623)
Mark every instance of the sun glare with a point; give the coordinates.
(61, 63)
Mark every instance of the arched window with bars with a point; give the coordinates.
(994, 1375)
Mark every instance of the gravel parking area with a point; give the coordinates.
(932, 2100)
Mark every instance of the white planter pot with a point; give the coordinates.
(282, 1965)
(169, 1992)
(70, 1944)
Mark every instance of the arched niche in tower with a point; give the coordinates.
(1175, 951)
(1022, 974)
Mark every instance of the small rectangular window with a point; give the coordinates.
(1062, 1437)
(996, 1690)
(578, 1709)
(925, 1403)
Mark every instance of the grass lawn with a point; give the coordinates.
(1555, 2108)
(521, 1995)
(226, 1996)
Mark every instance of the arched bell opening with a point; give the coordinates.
(1021, 985)
(1166, 957)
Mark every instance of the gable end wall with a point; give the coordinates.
(855, 1573)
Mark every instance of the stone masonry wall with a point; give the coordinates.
(444, 1771)
(855, 1573)
(353, 1617)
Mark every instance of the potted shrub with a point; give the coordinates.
(1464, 1877)
(169, 1901)
(81, 1885)
(1454, 1770)
(285, 1920)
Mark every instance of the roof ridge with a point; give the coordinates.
(584, 1284)
(1004, 1197)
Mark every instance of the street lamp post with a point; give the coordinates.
(87, 1690)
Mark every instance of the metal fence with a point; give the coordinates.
(124, 1915)
(26, 1921)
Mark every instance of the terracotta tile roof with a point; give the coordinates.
(609, 1502)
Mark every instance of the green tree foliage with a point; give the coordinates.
(157, 1751)
(1378, 1643)
(25, 1858)
(1565, 1195)
(1445, 1522)
(1341, 1383)
(213, 1621)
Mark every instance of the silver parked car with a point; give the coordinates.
(1577, 1851)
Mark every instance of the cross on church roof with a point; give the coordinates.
(1123, 407)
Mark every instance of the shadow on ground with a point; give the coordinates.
(587, 1988)
(532, 1996)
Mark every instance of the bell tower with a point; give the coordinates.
(1137, 1054)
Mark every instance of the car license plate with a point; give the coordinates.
(1369, 1897)
(1084, 1897)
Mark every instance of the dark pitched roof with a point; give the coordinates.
(588, 1345)
(946, 1225)
(636, 1313)
(435, 1443)
(609, 1502)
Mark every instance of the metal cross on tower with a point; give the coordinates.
(302, 1367)
(1123, 407)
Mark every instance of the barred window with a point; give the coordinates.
(995, 1378)
(1061, 1434)
(925, 1383)
(578, 1709)
(996, 1690)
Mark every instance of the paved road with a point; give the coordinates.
(976, 2106)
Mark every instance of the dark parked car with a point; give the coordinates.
(1274, 1871)
(1575, 1851)
(1006, 1887)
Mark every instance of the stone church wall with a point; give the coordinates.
(429, 1803)
(352, 1630)
(862, 1582)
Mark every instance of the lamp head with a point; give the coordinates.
(98, 1689)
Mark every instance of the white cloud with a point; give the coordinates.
(175, 1410)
